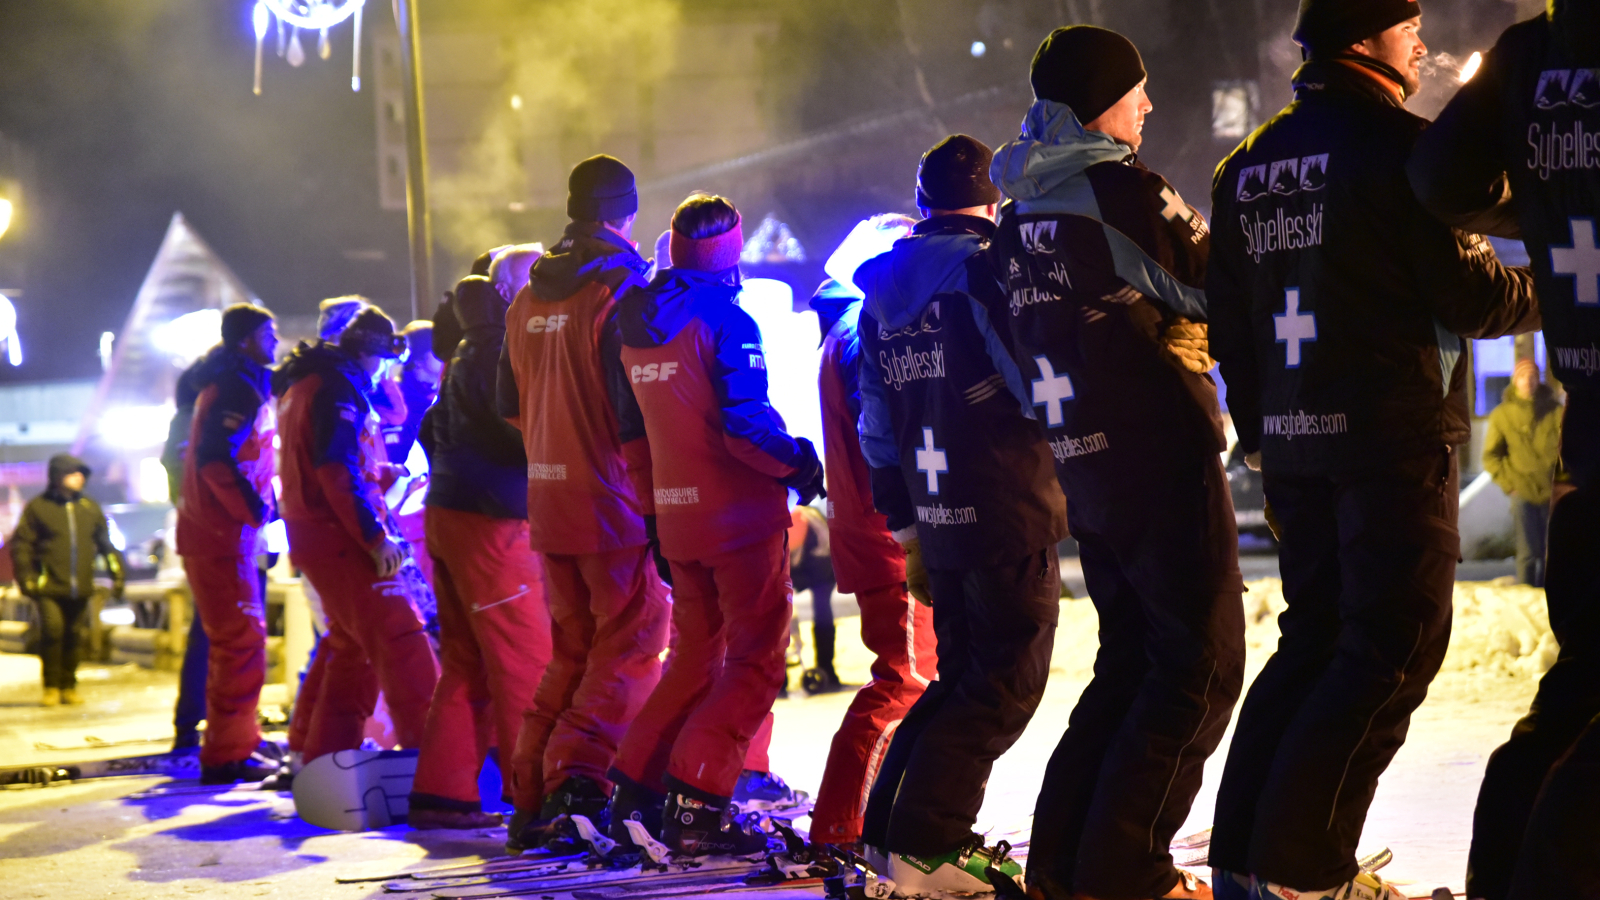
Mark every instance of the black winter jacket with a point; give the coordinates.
(476, 462)
(1532, 114)
(1337, 303)
(60, 534)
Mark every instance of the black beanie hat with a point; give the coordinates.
(1327, 26)
(1087, 68)
(371, 333)
(600, 189)
(955, 175)
(240, 320)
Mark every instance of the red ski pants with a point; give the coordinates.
(899, 631)
(374, 639)
(227, 598)
(732, 613)
(494, 644)
(608, 626)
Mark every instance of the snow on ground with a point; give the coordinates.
(93, 840)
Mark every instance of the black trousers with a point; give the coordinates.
(61, 627)
(1535, 832)
(996, 629)
(1532, 523)
(1368, 568)
(190, 709)
(1166, 586)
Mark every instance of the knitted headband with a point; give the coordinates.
(712, 254)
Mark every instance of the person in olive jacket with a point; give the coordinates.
(53, 552)
(1519, 453)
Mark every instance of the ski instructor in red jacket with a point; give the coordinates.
(342, 537)
(608, 607)
(717, 463)
(226, 500)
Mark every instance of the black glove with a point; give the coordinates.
(654, 543)
(807, 476)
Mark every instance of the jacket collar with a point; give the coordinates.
(956, 224)
(1350, 74)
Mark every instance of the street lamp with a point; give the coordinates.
(5, 215)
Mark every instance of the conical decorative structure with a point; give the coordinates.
(132, 405)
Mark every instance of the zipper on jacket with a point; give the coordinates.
(72, 541)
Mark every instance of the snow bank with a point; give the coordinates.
(1501, 629)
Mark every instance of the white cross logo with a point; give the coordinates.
(1175, 206)
(931, 460)
(1049, 389)
(1294, 326)
(1580, 261)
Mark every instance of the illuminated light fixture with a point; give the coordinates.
(869, 238)
(1470, 67)
(312, 15)
(153, 484)
(189, 336)
(516, 101)
(979, 48)
(5, 215)
(137, 427)
(772, 242)
(108, 342)
(8, 331)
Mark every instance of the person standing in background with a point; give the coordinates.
(1520, 452)
(52, 553)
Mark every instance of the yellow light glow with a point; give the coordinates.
(1471, 67)
(5, 215)
(516, 101)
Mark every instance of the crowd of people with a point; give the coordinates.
(603, 548)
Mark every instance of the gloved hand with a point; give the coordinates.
(917, 581)
(1272, 520)
(119, 575)
(388, 557)
(1252, 461)
(1188, 341)
(654, 544)
(32, 586)
(807, 477)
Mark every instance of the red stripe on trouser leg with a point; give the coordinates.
(494, 645)
(732, 616)
(608, 627)
(899, 632)
(227, 597)
(374, 639)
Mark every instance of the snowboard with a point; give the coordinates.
(356, 790)
(183, 764)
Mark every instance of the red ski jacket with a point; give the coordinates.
(708, 447)
(228, 466)
(335, 469)
(552, 386)
(864, 555)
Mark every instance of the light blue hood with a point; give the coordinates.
(1044, 171)
(1050, 155)
(899, 283)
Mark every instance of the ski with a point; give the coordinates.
(93, 743)
(662, 875)
(1201, 838)
(517, 874)
(709, 887)
(1375, 861)
(177, 765)
(503, 865)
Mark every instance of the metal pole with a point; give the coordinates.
(418, 224)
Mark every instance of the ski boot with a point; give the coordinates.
(701, 824)
(255, 767)
(633, 802)
(765, 792)
(428, 818)
(1365, 886)
(962, 870)
(577, 795)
